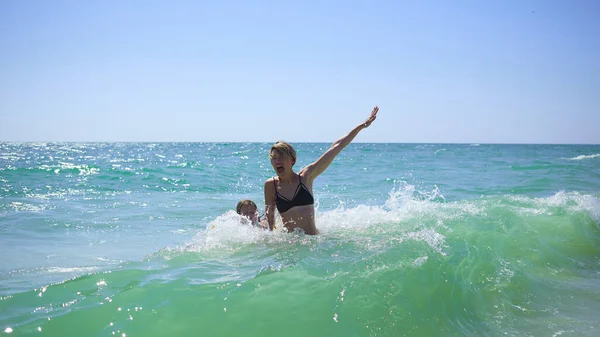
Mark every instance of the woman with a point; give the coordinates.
(290, 192)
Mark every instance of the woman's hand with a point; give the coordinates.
(371, 118)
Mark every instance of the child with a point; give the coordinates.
(247, 209)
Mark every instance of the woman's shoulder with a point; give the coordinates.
(270, 181)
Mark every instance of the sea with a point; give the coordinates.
(142, 239)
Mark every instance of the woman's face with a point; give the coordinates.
(280, 163)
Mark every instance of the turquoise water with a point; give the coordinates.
(140, 239)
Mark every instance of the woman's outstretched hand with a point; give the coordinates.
(371, 118)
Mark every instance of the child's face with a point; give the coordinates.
(249, 212)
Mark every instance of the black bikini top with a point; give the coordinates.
(301, 197)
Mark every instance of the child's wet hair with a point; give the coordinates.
(244, 202)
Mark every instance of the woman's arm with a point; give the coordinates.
(270, 203)
(315, 169)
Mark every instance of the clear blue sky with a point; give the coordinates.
(509, 71)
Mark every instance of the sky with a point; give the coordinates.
(510, 71)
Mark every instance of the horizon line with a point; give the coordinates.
(295, 142)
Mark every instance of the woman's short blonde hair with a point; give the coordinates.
(284, 149)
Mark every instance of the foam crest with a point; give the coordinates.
(581, 157)
(405, 208)
(73, 270)
(26, 207)
(228, 233)
(571, 201)
(82, 170)
(403, 194)
(434, 239)
(407, 215)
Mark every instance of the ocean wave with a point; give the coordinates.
(82, 169)
(17, 206)
(408, 214)
(480, 265)
(581, 157)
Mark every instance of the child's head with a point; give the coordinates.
(248, 209)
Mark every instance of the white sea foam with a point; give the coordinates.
(406, 215)
(581, 157)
